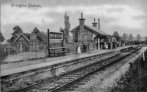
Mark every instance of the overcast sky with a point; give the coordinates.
(129, 16)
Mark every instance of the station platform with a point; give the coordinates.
(12, 68)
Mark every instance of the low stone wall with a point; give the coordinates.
(24, 79)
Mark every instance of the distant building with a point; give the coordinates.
(29, 42)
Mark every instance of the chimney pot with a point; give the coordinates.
(98, 23)
(81, 20)
(81, 15)
(94, 23)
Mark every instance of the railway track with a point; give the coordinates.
(91, 70)
(61, 82)
(96, 81)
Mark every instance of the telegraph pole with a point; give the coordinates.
(48, 32)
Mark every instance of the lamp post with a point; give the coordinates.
(48, 42)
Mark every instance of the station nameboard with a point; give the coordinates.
(56, 35)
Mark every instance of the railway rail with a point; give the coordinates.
(95, 82)
(20, 81)
(97, 67)
(60, 82)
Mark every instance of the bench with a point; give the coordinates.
(60, 51)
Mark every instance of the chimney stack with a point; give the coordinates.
(82, 20)
(99, 23)
(94, 23)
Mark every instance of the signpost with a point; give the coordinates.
(48, 32)
(55, 36)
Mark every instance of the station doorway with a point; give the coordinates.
(84, 48)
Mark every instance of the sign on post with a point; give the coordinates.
(56, 35)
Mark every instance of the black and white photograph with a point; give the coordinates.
(73, 46)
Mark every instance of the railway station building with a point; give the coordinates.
(89, 37)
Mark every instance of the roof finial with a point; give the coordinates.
(81, 20)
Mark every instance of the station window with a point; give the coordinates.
(76, 36)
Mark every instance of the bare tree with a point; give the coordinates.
(124, 37)
(138, 37)
(116, 34)
(36, 30)
(127, 37)
(66, 27)
(17, 30)
(130, 37)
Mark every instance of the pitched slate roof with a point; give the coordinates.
(96, 29)
(42, 37)
(21, 34)
(93, 29)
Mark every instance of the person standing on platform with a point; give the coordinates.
(78, 49)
